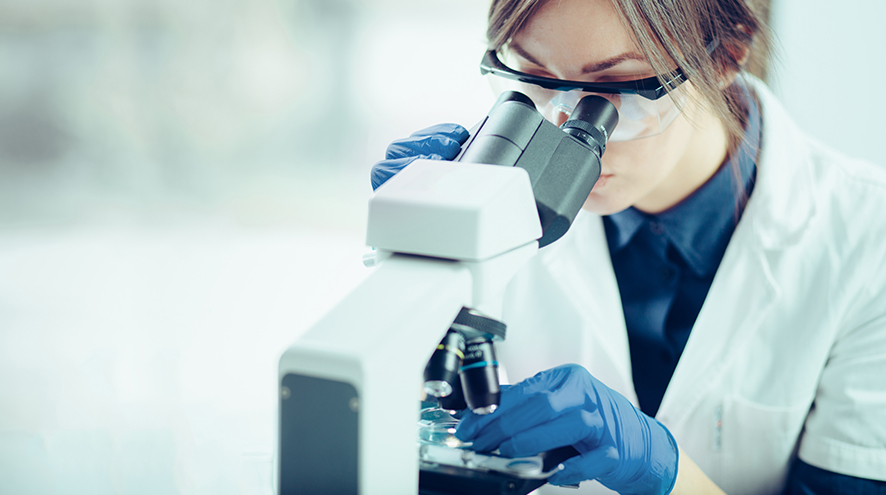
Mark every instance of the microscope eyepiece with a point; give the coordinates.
(592, 122)
(515, 96)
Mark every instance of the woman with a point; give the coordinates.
(725, 277)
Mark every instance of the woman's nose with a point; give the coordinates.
(559, 118)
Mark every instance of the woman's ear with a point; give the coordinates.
(739, 51)
(728, 73)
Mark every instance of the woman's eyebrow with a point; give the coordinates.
(523, 53)
(587, 69)
(611, 62)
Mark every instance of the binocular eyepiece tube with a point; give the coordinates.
(463, 370)
(563, 162)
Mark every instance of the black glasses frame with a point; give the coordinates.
(650, 88)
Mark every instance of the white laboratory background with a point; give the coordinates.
(183, 190)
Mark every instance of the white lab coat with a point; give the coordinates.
(788, 354)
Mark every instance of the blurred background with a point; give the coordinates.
(183, 191)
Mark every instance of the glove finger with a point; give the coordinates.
(553, 378)
(453, 131)
(539, 391)
(490, 431)
(575, 426)
(465, 412)
(472, 423)
(460, 414)
(585, 467)
(437, 144)
(382, 171)
(529, 403)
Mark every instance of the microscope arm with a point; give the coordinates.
(349, 386)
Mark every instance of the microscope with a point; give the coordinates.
(448, 237)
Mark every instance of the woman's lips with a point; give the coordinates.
(601, 182)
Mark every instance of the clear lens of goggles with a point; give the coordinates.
(638, 117)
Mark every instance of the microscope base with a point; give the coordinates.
(450, 480)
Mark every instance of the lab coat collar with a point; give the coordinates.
(783, 201)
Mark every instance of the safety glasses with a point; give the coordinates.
(646, 107)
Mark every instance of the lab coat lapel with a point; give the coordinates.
(744, 290)
(593, 290)
(742, 294)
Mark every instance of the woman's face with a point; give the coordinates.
(586, 40)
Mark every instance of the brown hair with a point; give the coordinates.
(679, 31)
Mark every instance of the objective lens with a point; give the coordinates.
(479, 377)
(441, 372)
(438, 388)
(454, 401)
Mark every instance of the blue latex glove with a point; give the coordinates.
(624, 449)
(439, 142)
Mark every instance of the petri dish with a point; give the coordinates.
(441, 434)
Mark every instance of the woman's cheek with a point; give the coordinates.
(633, 172)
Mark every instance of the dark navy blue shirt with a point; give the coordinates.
(665, 263)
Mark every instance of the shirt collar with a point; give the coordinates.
(699, 227)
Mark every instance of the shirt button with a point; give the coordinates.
(656, 228)
(667, 273)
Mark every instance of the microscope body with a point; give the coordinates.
(447, 235)
(349, 386)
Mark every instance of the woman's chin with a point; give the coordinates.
(601, 204)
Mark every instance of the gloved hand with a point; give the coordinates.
(626, 450)
(439, 142)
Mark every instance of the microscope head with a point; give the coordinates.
(563, 163)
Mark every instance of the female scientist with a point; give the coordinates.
(724, 289)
